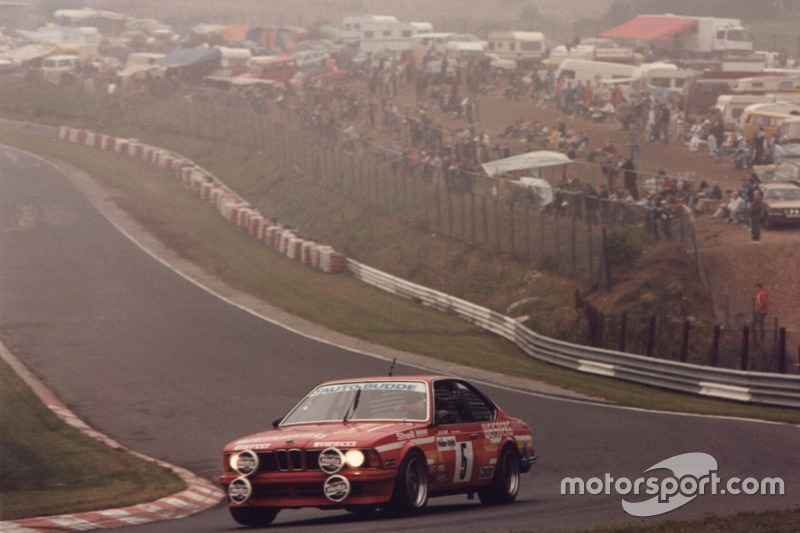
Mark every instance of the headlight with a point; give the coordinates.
(354, 458)
(245, 462)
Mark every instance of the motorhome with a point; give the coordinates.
(525, 47)
(667, 84)
(378, 33)
(766, 84)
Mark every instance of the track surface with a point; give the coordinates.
(168, 369)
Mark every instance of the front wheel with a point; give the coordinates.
(253, 516)
(411, 487)
(505, 483)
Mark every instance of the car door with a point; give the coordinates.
(460, 440)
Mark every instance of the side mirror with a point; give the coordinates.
(441, 416)
(276, 422)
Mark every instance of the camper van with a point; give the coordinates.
(769, 116)
(526, 47)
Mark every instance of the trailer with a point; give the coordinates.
(525, 47)
(681, 36)
(380, 33)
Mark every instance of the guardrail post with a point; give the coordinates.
(713, 351)
(651, 336)
(745, 347)
(685, 341)
(623, 325)
(782, 351)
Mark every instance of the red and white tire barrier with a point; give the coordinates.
(231, 206)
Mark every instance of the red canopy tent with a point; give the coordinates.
(650, 28)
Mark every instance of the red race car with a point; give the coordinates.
(383, 442)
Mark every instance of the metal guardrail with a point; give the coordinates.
(752, 387)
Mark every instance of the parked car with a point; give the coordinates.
(382, 442)
(782, 200)
(503, 65)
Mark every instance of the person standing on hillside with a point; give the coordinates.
(756, 212)
(760, 310)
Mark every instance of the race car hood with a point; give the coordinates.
(783, 204)
(339, 435)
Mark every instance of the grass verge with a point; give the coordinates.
(48, 467)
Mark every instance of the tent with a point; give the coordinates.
(530, 160)
(540, 191)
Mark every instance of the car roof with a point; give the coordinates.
(426, 378)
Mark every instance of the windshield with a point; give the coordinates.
(359, 401)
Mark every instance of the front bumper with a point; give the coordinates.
(308, 489)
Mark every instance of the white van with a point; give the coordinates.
(584, 70)
(55, 67)
(522, 46)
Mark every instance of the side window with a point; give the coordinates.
(447, 403)
(480, 409)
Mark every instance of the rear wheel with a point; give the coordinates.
(411, 487)
(254, 516)
(505, 484)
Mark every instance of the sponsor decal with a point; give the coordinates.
(496, 430)
(446, 444)
(239, 490)
(345, 387)
(413, 434)
(442, 478)
(486, 472)
(334, 444)
(246, 462)
(336, 488)
(331, 460)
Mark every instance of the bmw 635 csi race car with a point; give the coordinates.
(384, 442)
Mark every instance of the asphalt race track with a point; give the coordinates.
(171, 370)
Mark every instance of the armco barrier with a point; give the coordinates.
(752, 387)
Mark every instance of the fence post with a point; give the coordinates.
(713, 351)
(651, 336)
(605, 259)
(512, 236)
(782, 351)
(685, 341)
(745, 347)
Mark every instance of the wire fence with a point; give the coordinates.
(563, 227)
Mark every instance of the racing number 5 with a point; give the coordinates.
(464, 460)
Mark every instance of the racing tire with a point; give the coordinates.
(253, 516)
(410, 494)
(505, 483)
